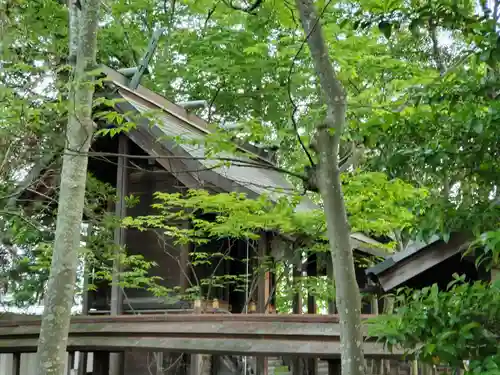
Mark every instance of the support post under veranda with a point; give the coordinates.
(312, 271)
(116, 360)
(262, 291)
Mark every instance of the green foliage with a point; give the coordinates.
(486, 249)
(446, 327)
(375, 205)
(378, 205)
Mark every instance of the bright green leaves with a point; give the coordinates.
(381, 206)
(375, 205)
(486, 249)
(446, 327)
(236, 216)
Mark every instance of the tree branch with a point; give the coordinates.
(435, 48)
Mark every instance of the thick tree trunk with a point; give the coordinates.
(328, 177)
(60, 290)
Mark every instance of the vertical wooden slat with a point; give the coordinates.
(159, 363)
(116, 359)
(297, 309)
(332, 306)
(83, 356)
(184, 264)
(262, 292)
(16, 364)
(70, 362)
(101, 363)
(196, 359)
(312, 270)
(119, 235)
(82, 363)
(334, 367)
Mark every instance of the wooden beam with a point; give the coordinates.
(238, 334)
(190, 345)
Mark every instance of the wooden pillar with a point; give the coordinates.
(332, 306)
(82, 363)
(159, 363)
(196, 359)
(262, 292)
(426, 369)
(119, 235)
(375, 364)
(71, 363)
(83, 356)
(297, 364)
(184, 261)
(101, 363)
(16, 364)
(312, 270)
(262, 283)
(334, 367)
(116, 359)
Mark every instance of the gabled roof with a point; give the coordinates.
(254, 175)
(417, 258)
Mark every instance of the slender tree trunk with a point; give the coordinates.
(328, 177)
(60, 290)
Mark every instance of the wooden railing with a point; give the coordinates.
(237, 334)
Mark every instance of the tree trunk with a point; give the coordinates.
(60, 290)
(328, 177)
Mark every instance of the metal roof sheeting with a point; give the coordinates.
(258, 180)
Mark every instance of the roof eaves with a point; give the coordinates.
(171, 108)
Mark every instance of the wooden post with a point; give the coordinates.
(312, 270)
(116, 359)
(83, 356)
(297, 309)
(375, 364)
(82, 363)
(16, 363)
(119, 235)
(426, 369)
(332, 306)
(334, 367)
(414, 367)
(159, 363)
(101, 363)
(262, 293)
(196, 359)
(71, 363)
(388, 309)
(184, 263)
